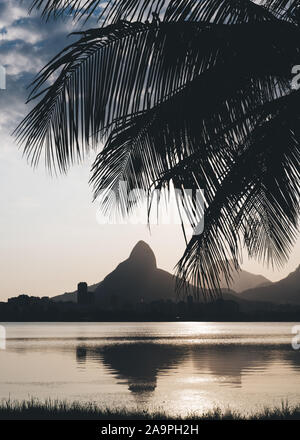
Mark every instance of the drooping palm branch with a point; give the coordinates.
(196, 93)
(219, 11)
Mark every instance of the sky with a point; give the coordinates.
(50, 238)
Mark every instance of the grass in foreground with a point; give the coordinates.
(34, 409)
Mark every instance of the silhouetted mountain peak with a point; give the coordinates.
(243, 280)
(137, 279)
(283, 291)
(143, 254)
(293, 276)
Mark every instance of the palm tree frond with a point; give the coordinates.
(217, 113)
(255, 206)
(113, 72)
(214, 11)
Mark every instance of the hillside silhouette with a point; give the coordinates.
(137, 290)
(244, 280)
(284, 291)
(138, 279)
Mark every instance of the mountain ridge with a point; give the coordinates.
(243, 280)
(283, 291)
(139, 279)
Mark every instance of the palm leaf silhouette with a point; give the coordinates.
(222, 11)
(190, 93)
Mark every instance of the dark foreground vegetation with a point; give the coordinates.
(54, 409)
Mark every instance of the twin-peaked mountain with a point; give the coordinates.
(139, 279)
(135, 279)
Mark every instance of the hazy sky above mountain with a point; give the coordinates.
(50, 238)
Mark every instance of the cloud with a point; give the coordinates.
(27, 43)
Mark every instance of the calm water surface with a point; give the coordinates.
(178, 367)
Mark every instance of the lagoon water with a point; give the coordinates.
(178, 367)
